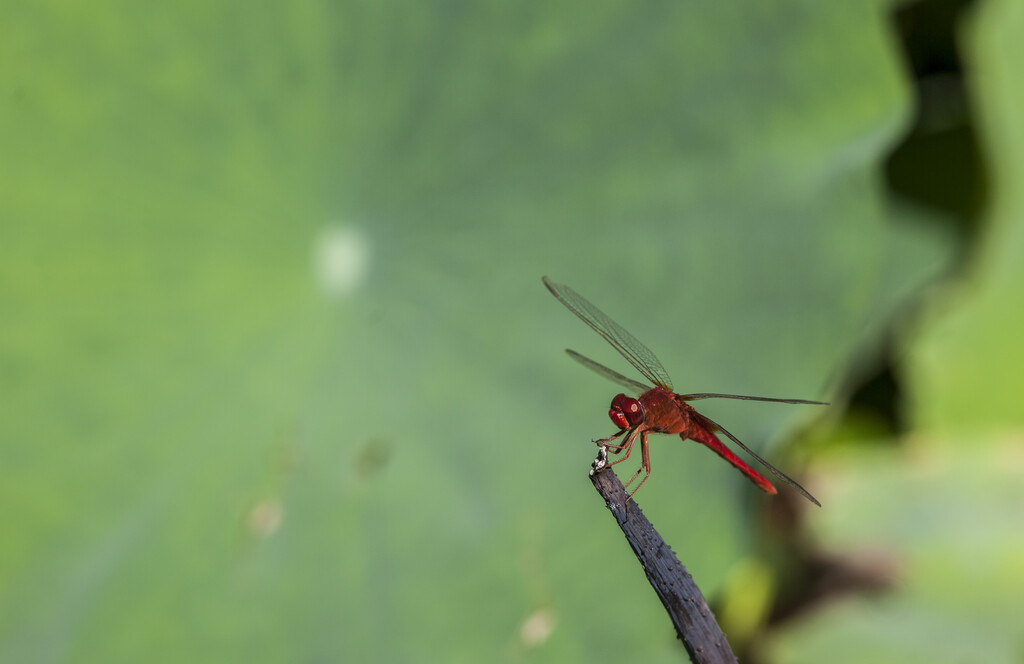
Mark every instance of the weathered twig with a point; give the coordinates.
(695, 624)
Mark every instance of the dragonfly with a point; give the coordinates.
(658, 409)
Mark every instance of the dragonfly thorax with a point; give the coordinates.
(626, 412)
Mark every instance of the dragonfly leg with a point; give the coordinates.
(627, 446)
(645, 465)
(605, 441)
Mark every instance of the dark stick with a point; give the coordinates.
(695, 624)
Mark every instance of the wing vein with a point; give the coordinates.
(714, 426)
(610, 374)
(636, 353)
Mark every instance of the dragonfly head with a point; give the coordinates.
(626, 412)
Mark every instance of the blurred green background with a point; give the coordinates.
(279, 381)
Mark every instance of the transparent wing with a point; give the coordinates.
(715, 395)
(714, 426)
(610, 374)
(639, 355)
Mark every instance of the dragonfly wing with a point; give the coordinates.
(639, 355)
(610, 374)
(714, 426)
(715, 395)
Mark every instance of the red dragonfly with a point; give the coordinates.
(658, 409)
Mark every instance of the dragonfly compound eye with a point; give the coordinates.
(626, 412)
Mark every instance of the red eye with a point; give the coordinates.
(626, 412)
